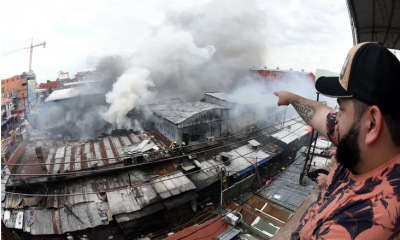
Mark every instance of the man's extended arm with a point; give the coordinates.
(313, 113)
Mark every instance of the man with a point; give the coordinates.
(361, 196)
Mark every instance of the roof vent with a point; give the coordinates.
(254, 144)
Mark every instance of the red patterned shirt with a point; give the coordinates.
(352, 206)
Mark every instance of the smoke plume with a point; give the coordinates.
(202, 49)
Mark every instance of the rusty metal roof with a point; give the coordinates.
(62, 220)
(210, 230)
(74, 157)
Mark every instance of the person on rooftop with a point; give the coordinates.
(361, 196)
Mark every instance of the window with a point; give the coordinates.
(23, 84)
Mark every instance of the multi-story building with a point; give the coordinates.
(16, 87)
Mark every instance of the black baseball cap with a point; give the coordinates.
(371, 74)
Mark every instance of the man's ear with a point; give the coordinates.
(373, 122)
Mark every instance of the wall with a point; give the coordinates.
(54, 85)
(168, 129)
(195, 128)
(272, 75)
(16, 85)
(238, 189)
(17, 153)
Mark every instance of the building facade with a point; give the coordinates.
(16, 86)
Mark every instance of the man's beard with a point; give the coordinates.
(348, 151)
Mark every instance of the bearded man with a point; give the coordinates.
(361, 196)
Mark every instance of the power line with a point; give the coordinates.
(192, 145)
(218, 218)
(142, 184)
(138, 164)
(100, 159)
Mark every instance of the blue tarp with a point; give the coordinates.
(251, 168)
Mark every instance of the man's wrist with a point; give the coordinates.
(293, 97)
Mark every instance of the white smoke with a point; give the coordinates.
(202, 49)
(131, 89)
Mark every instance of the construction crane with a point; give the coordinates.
(31, 52)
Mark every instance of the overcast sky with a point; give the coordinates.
(301, 34)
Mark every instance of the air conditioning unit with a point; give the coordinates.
(232, 219)
(210, 139)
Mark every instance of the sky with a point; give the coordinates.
(305, 35)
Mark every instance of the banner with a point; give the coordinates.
(31, 90)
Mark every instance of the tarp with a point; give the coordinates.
(251, 168)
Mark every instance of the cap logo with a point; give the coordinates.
(346, 62)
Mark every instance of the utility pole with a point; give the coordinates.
(284, 117)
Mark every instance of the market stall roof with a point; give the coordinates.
(375, 21)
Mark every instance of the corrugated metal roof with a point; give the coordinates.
(59, 221)
(13, 201)
(207, 176)
(229, 234)
(212, 229)
(322, 144)
(285, 189)
(320, 162)
(71, 93)
(177, 113)
(244, 157)
(172, 185)
(289, 135)
(124, 217)
(70, 157)
(4, 179)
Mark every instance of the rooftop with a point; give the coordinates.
(70, 93)
(285, 189)
(78, 83)
(209, 230)
(237, 98)
(179, 112)
(74, 155)
(261, 215)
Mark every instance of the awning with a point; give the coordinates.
(375, 21)
(251, 168)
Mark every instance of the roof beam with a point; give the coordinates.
(373, 21)
(353, 22)
(386, 17)
(379, 30)
(395, 42)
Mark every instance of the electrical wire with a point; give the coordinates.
(142, 184)
(185, 224)
(218, 218)
(162, 150)
(135, 165)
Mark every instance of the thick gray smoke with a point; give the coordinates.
(207, 48)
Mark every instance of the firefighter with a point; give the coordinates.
(174, 148)
(182, 148)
